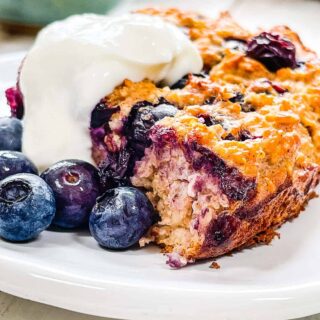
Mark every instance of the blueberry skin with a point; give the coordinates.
(13, 162)
(144, 118)
(76, 186)
(121, 217)
(272, 50)
(27, 207)
(10, 134)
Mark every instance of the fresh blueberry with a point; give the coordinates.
(27, 207)
(121, 217)
(76, 185)
(12, 162)
(273, 51)
(10, 134)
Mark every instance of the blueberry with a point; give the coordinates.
(180, 84)
(27, 207)
(101, 114)
(238, 97)
(144, 118)
(222, 229)
(121, 217)
(141, 124)
(117, 167)
(76, 186)
(10, 134)
(12, 162)
(273, 51)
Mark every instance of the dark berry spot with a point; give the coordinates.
(101, 114)
(245, 135)
(230, 137)
(273, 51)
(231, 181)
(98, 134)
(141, 125)
(162, 136)
(180, 84)
(222, 229)
(238, 97)
(209, 120)
(301, 64)
(116, 169)
(210, 100)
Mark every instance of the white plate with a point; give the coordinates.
(69, 270)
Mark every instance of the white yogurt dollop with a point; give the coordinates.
(76, 62)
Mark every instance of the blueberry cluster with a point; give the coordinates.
(67, 195)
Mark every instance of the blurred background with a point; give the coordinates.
(21, 19)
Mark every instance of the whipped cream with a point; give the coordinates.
(76, 62)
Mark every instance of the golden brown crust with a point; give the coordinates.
(270, 214)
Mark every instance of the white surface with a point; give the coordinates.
(295, 256)
(69, 270)
(76, 62)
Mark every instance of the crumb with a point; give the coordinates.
(214, 265)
